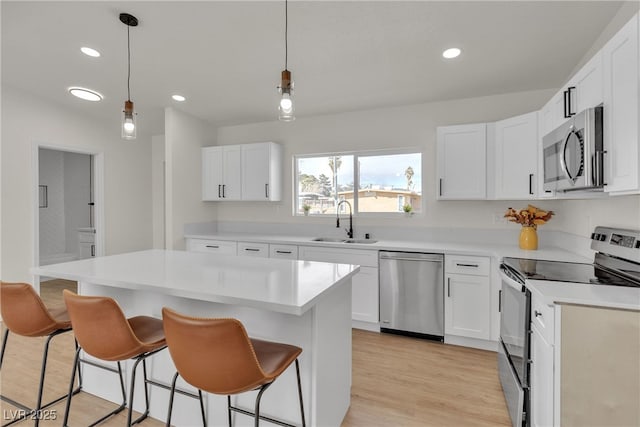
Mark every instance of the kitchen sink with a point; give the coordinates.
(360, 241)
(329, 239)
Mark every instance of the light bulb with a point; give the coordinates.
(129, 126)
(285, 103)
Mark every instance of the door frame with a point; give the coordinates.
(98, 198)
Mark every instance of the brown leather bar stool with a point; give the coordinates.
(217, 356)
(103, 331)
(24, 313)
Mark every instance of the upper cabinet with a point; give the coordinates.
(221, 173)
(621, 101)
(242, 172)
(516, 157)
(261, 171)
(462, 162)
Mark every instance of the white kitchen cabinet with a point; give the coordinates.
(364, 285)
(461, 164)
(467, 302)
(283, 251)
(588, 83)
(86, 243)
(221, 173)
(261, 171)
(621, 110)
(542, 357)
(222, 247)
(516, 157)
(552, 114)
(260, 250)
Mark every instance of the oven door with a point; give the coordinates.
(515, 324)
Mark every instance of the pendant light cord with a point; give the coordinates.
(128, 64)
(286, 30)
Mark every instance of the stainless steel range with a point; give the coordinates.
(616, 263)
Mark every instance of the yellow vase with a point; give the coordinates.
(528, 238)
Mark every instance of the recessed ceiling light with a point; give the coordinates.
(86, 94)
(90, 52)
(451, 53)
(178, 98)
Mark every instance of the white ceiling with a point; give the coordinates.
(226, 57)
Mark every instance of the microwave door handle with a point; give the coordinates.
(563, 160)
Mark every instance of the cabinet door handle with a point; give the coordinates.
(93, 250)
(448, 286)
(224, 187)
(252, 249)
(266, 191)
(570, 108)
(467, 265)
(284, 252)
(566, 104)
(440, 187)
(213, 246)
(500, 301)
(219, 188)
(531, 183)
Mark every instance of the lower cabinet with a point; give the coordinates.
(260, 250)
(365, 293)
(541, 380)
(222, 247)
(467, 297)
(283, 251)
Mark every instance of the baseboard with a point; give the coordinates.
(471, 342)
(367, 326)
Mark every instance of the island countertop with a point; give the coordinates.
(284, 286)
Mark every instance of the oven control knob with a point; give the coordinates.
(602, 237)
(593, 236)
(638, 244)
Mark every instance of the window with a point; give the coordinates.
(385, 182)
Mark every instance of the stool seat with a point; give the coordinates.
(274, 358)
(61, 317)
(149, 331)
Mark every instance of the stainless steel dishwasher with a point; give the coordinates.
(412, 294)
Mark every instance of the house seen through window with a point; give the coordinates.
(388, 183)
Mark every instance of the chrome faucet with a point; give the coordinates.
(350, 230)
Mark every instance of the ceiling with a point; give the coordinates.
(226, 57)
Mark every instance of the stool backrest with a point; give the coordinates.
(214, 355)
(23, 312)
(101, 328)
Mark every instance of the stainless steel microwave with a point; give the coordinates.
(573, 153)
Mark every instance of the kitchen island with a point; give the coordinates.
(303, 303)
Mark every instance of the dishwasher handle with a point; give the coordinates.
(412, 256)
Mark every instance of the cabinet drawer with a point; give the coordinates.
(216, 246)
(465, 264)
(338, 255)
(542, 316)
(283, 251)
(253, 249)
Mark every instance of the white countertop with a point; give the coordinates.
(483, 249)
(272, 284)
(551, 292)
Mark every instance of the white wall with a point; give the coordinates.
(185, 136)
(414, 126)
(158, 190)
(52, 224)
(27, 120)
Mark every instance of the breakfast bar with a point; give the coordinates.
(307, 304)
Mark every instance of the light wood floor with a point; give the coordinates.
(397, 381)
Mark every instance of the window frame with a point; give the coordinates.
(356, 180)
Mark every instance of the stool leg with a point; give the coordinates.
(257, 412)
(171, 394)
(204, 417)
(229, 408)
(133, 385)
(76, 361)
(300, 393)
(5, 337)
(42, 375)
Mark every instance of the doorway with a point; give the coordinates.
(68, 208)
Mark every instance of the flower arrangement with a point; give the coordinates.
(529, 217)
(407, 208)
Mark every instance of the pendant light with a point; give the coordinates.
(129, 125)
(286, 85)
